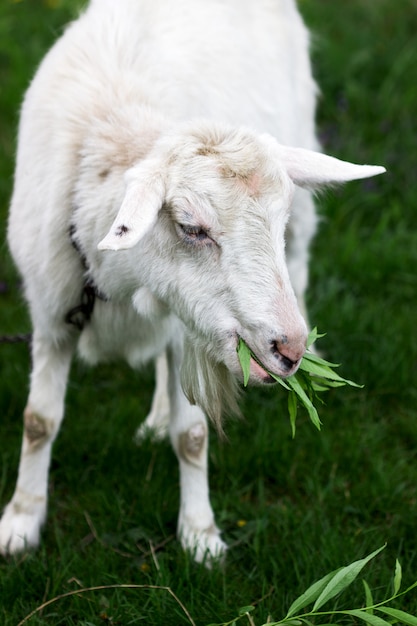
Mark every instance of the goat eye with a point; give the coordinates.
(194, 234)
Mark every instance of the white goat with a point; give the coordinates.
(145, 181)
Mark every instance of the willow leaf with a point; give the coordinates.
(310, 595)
(369, 618)
(397, 577)
(305, 400)
(292, 410)
(343, 579)
(368, 597)
(399, 616)
(244, 355)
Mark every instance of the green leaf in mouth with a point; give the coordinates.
(314, 376)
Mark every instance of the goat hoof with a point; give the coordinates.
(205, 546)
(19, 531)
(152, 432)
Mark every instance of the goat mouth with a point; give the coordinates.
(258, 371)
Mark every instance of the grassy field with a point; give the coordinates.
(291, 510)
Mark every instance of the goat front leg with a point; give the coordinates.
(26, 512)
(188, 431)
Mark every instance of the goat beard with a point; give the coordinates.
(207, 382)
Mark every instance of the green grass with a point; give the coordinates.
(291, 510)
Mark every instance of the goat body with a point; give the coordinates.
(149, 168)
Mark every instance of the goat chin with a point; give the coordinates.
(208, 382)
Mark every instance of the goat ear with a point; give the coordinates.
(313, 169)
(143, 199)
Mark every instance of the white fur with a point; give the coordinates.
(147, 119)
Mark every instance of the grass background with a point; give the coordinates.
(291, 510)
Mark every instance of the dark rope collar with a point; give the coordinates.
(20, 338)
(81, 314)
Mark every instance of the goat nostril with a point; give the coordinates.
(274, 348)
(278, 350)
